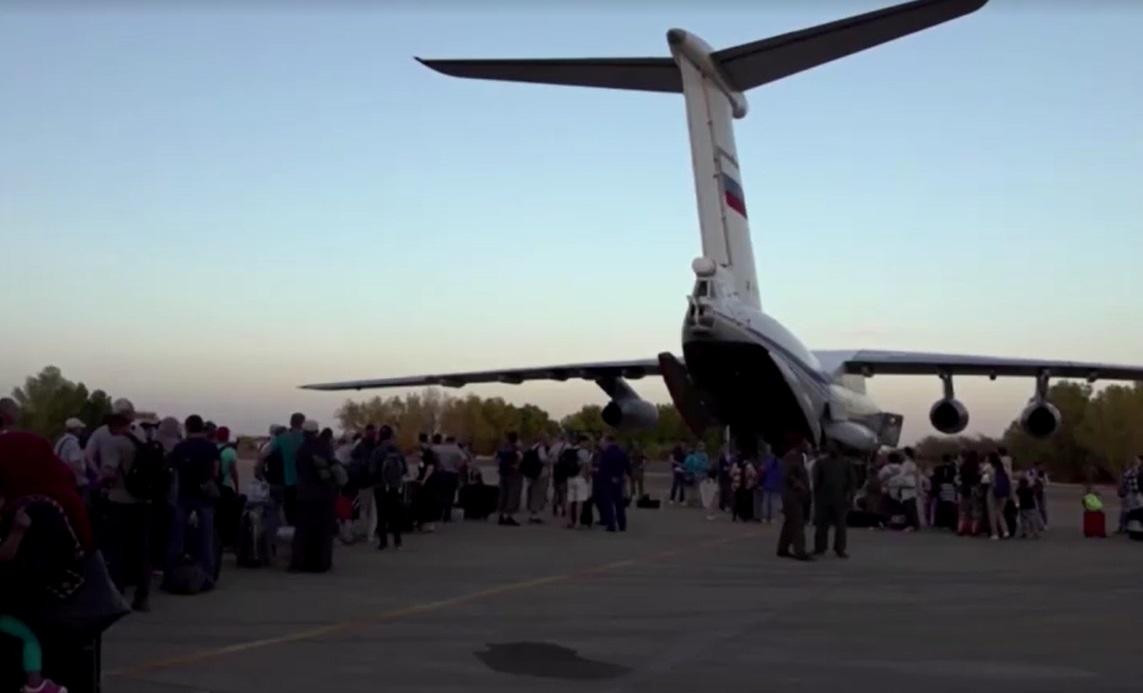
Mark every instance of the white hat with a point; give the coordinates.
(123, 406)
(74, 423)
(310, 426)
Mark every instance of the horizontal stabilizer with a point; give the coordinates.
(745, 66)
(640, 74)
(754, 64)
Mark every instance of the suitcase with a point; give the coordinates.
(1094, 524)
(253, 550)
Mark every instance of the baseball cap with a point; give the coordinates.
(74, 423)
(123, 406)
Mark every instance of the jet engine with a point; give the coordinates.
(629, 413)
(948, 415)
(1040, 419)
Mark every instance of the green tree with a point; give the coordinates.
(1112, 428)
(48, 399)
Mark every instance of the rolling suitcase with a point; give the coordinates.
(1094, 524)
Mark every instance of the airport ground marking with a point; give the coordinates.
(412, 610)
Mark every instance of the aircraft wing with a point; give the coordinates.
(632, 370)
(870, 362)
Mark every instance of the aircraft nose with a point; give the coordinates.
(676, 37)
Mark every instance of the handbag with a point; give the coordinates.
(91, 609)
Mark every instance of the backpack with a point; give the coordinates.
(531, 465)
(150, 476)
(275, 468)
(391, 473)
(567, 465)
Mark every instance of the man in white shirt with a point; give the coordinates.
(70, 452)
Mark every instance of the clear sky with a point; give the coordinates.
(201, 209)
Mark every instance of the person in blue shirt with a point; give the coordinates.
(697, 464)
(772, 484)
(611, 477)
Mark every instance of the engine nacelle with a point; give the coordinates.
(629, 413)
(1040, 419)
(948, 415)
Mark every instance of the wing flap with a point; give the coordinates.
(873, 362)
(753, 64)
(640, 74)
(630, 370)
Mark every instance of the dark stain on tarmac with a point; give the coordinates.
(546, 660)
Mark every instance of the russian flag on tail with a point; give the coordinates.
(732, 193)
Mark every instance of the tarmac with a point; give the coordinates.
(677, 603)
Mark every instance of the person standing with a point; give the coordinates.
(743, 480)
(285, 449)
(697, 469)
(724, 465)
(579, 480)
(997, 489)
(611, 478)
(678, 475)
(196, 464)
(539, 474)
(125, 538)
(909, 485)
(561, 471)
(450, 460)
(834, 484)
(316, 497)
(1038, 478)
(388, 469)
(773, 487)
(70, 452)
(795, 497)
(511, 481)
(638, 471)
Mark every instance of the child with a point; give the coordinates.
(1029, 512)
(1094, 521)
(32, 658)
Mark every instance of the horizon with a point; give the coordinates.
(205, 208)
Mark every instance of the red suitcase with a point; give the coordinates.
(1094, 524)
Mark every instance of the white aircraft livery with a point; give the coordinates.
(740, 367)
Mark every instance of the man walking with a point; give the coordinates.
(795, 497)
(835, 482)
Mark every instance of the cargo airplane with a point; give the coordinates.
(740, 368)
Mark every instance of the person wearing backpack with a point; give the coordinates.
(511, 480)
(387, 472)
(125, 535)
(196, 464)
(537, 469)
(564, 467)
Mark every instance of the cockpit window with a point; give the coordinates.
(702, 289)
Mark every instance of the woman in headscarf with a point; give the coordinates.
(46, 535)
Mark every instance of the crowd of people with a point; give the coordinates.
(164, 498)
